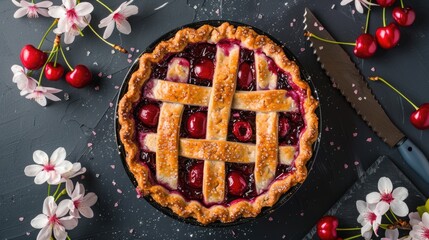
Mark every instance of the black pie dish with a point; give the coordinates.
(265, 211)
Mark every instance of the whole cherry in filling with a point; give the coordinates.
(149, 115)
(245, 76)
(283, 127)
(195, 175)
(242, 130)
(196, 124)
(236, 184)
(204, 69)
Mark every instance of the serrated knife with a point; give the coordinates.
(346, 77)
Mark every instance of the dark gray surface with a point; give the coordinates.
(25, 126)
(345, 209)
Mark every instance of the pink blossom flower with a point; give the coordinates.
(32, 10)
(421, 230)
(370, 217)
(81, 203)
(76, 170)
(73, 17)
(40, 94)
(48, 169)
(358, 4)
(53, 219)
(393, 199)
(24, 83)
(119, 17)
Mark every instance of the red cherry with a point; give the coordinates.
(236, 184)
(79, 77)
(366, 46)
(149, 115)
(283, 127)
(245, 75)
(195, 175)
(196, 125)
(388, 37)
(327, 228)
(385, 3)
(32, 58)
(204, 69)
(52, 72)
(242, 130)
(420, 117)
(404, 16)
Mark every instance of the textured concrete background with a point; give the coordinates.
(88, 118)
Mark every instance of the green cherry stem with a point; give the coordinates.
(367, 17)
(68, 238)
(116, 47)
(104, 5)
(309, 34)
(384, 17)
(388, 218)
(353, 237)
(348, 229)
(58, 188)
(394, 89)
(402, 4)
(63, 192)
(49, 189)
(46, 33)
(394, 216)
(65, 59)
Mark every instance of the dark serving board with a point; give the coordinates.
(345, 209)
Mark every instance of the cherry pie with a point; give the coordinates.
(217, 123)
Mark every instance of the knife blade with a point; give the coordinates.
(347, 78)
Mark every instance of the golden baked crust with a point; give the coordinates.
(224, 213)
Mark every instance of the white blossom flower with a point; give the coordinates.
(40, 94)
(394, 200)
(76, 170)
(32, 10)
(48, 169)
(24, 83)
(119, 17)
(358, 4)
(53, 219)
(391, 234)
(421, 230)
(81, 203)
(370, 216)
(72, 17)
(74, 30)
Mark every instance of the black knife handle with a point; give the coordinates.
(415, 159)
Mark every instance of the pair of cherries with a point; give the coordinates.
(236, 183)
(33, 59)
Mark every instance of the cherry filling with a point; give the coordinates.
(240, 181)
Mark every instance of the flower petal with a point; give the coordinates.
(86, 212)
(392, 233)
(63, 167)
(373, 197)
(381, 208)
(359, 8)
(63, 207)
(41, 177)
(52, 97)
(57, 12)
(69, 187)
(414, 218)
(69, 3)
(89, 200)
(130, 10)
(49, 206)
(123, 26)
(45, 233)
(365, 228)
(399, 208)
(40, 157)
(345, 2)
(400, 193)
(361, 206)
(83, 8)
(39, 221)
(43, 12)
(58, 156)
(425, 219)
(44, 4)
(104, 22)
(109, 29)
(16, 3)
(385, 185)
(69, 37)
(68, 222)
(21, 12)
(32, 170)
(59, 232)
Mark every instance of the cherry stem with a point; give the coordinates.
(394, 89)
(56, 58)
(49, 189)
(104, 5)
(114, 46)
(68, 238)
(394, 216)
(58, 188)
(51, 55)
(348, 229)
(63, 192)
(402, 4)
(384, 17)
(353, 237)
(309, 34)
(65, 59)
(367, 17)
(46, 33)
(388, 218)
